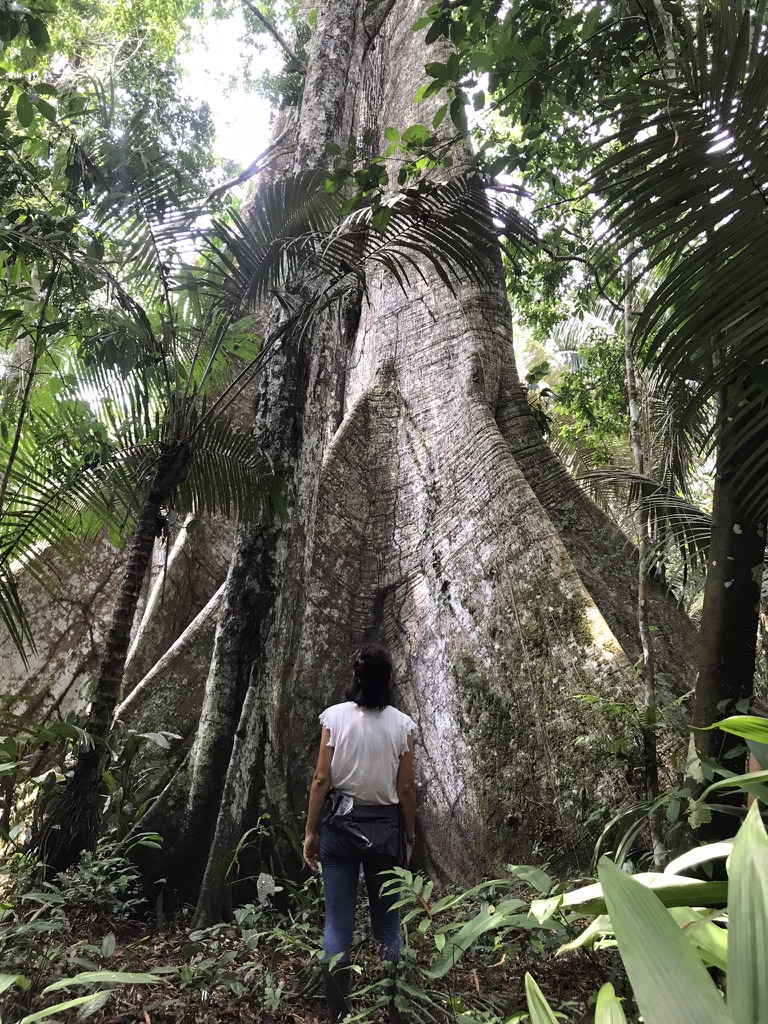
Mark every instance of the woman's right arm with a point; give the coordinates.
(406, 793)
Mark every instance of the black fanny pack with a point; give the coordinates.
(376, 828)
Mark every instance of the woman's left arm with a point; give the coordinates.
(406, 794)
(321, 783)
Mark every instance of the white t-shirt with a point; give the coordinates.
(367, 745)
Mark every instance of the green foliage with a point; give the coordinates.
(238, 962)
(666, 954)
(40, 922)
(689, 154)
(488, 924)
(70, 155)
(591, 399)
(76, 464)
(33, 758)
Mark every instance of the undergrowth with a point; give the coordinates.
(84, 938)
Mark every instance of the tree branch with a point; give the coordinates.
(279, 39)
(253, 169)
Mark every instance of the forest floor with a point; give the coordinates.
(81, 938)
(229, 974)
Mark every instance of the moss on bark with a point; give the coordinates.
(546, 750)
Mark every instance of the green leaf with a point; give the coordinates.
(427, 90)
(416, 134)
(104, 978)
(459, 115)
(533, 876)
(99, 1000)
(538, 1007)
(708, 939)
(591, 21)
(749, 727)
(440, 27)
(747, 987)
(47, 110)
(440, 113)
(670, 890)
(600, 927)
(503, 916)
(37, 31)
(24, 110)
(608, 1008)
(438, 70)
(391, 134)
(380, 220)
(8, 980)
(49, 1011)
(670, 983)
(333, 149)
(698, 855)
(751, 782)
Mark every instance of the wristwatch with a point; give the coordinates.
(410, 840)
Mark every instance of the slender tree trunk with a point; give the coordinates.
(75, 819)
(730, 616)
(650, 751)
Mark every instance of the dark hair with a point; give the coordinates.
(371, 672)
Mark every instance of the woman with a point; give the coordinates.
(365, 770)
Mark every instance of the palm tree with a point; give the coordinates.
(170, 445)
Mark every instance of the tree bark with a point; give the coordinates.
(729, 618)
(650, 750)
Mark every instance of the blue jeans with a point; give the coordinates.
(341, 862)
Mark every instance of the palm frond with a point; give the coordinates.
(64, 513)
(675, 434)
(13, 614)
(671, 519)
(249, 257)
(140, 197)
(292, 236)
(453, 228)
(687, 173)
(229, 475)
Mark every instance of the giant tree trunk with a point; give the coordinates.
(416, 470)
